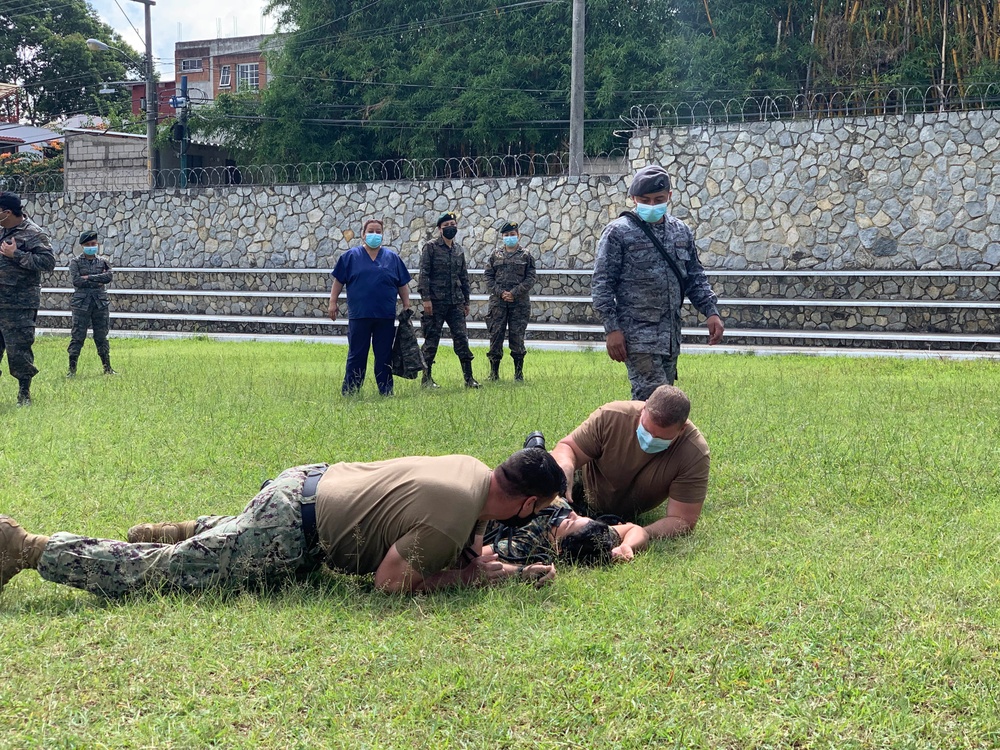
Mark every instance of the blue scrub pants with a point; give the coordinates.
(378, 332)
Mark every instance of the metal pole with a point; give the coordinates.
(184, 129)
(576, 92)
(151, 108)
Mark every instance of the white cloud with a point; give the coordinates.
(197, 21)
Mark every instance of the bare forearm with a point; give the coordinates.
(669, 527)
(564, 456)
(404, 296)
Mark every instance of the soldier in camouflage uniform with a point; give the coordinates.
(444, 293)
(637, 293)
(510, 275)
(558, 532)
(24, 253)
(90, 274)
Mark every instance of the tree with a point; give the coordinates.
(43, 49)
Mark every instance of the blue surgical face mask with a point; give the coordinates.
(90, 250)
(510, 241)
(650, 214)
(648, 443)
(373, 240)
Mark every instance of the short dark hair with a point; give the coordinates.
(590, 545)
(668, 405)
(532, 471)
(10, 202)
(373, 221)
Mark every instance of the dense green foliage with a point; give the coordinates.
(839, 592)
(43, 49)
(356, 79)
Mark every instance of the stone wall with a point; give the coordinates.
(912, 191)
(907, 192)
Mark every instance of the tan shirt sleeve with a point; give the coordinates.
(691, 484)
(591, 437)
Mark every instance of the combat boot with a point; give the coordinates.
(24, 393)
(19, 550)
(427, 381)
(494, 371)
(519, 369)
(72, 368)
(162, 533)
(106, 361)
(470, 382)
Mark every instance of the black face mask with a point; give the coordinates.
(449, 232)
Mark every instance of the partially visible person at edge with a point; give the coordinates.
(415, 523)
(637, 293)
(630, 457)
(560, 533)
(510, 276)
(374, 275)
(444, 293)
(90, 274)
(25, 251)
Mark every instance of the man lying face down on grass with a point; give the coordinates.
(559, 533)
(416, 523)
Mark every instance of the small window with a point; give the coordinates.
(248, 76)
(191, 63)
(225, 78)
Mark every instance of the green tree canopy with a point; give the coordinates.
(43, 50)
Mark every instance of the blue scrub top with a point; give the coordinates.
(372, 285)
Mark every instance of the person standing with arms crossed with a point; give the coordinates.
(444, 293)
(90, 274)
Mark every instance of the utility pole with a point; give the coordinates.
(576, 92)
(151, 98)
(180, 130)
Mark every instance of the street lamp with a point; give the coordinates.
(99, 46)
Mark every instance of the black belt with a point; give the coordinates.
(308, 504)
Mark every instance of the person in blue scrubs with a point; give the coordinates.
(374, 275)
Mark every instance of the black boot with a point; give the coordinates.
(72, 368)
(106, 361)
(24, 393)
(470, 382)
(535, 440)
(494, 370)
(427, 381)
(519, 369)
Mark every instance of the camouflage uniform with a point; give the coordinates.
(531, 543)
(444, 281)
(264, 545)
(637, 292)
(90, 305)
(20, 295)
(509, 272)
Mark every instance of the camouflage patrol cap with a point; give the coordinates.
(446, 216)
(89, 236)
(650, 179)
(510, 226)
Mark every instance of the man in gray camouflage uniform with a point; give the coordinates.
(90, 275)
(637, 293)
(510, 275)
(25, 252)
(444, 294)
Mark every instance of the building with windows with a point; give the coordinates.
(216, 65)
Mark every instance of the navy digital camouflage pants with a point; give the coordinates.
(96, 316)
(454, 316)
(262, 546)
(646, 372)
(17, 336)
(504, 317)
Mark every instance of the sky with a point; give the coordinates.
(224, 17)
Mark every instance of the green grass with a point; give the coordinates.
(840, 591)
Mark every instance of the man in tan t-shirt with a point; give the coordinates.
(416, 523)
(635, 455)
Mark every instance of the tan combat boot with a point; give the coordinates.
(162, 533)
(19, 550)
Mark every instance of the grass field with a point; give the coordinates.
(840, 590)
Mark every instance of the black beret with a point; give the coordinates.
(510, 226)
(446, 216)
(10, 202)
(90, 234)
(650, 179)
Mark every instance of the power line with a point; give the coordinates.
(142, 39)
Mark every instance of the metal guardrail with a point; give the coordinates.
(879, 101)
